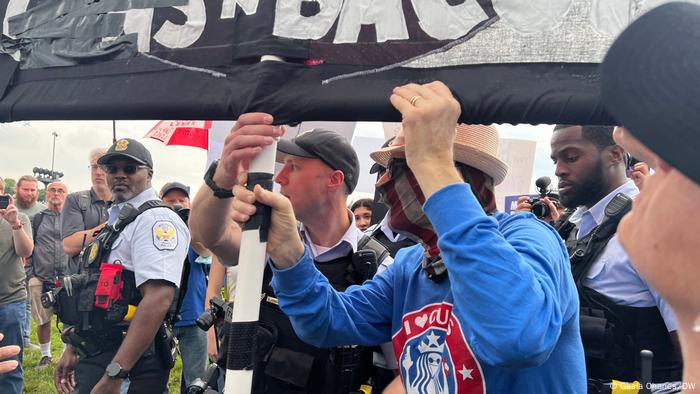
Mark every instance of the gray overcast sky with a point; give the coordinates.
(24, 145)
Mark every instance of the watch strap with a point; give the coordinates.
(121, 374)
(209, 181)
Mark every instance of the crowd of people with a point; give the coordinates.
(442, 294)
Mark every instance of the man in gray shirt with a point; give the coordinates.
(85, 212)
(48, 261)
(15, 244)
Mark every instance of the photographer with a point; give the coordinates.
(621, 314)
(15, 244)
(547, 207)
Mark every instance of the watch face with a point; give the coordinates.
(113, 369)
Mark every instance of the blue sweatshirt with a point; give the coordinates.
(504, 321)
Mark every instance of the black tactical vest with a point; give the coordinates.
(613, 335)
(76, 300)
(293, 366)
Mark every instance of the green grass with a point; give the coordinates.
(40, 381)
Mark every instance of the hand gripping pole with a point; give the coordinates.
(251, 263)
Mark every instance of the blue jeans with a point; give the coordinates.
(12, 326)
(27, 315)
(193, 349)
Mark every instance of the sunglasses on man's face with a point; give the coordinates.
(129, 169)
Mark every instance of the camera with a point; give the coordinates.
(4, 201)
(69, 284)
(631, 162)
(48, 299)
(203, 385)
(218, 309)
(540, 208)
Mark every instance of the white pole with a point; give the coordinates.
(251, 268)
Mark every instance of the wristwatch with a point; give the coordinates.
(209, 180)
(115, 371)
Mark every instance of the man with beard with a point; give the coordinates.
(484, 300)
(27, 194)
(621, 314)
(144, 245)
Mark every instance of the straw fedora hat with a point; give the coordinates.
(475, 146)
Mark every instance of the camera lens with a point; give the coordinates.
(205, 320)
(541, 210)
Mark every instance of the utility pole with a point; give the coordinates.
(53, 151)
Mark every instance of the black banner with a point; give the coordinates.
(199, 59)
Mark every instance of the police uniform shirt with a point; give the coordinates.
(346, 244)
(613, 274)
(154, 245)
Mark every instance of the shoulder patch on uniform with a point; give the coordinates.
(164, 235)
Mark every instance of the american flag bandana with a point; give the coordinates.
(400, 191)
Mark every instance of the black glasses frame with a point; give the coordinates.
(129, 169)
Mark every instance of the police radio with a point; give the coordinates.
(109, 286)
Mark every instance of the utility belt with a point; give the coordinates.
(93, 343)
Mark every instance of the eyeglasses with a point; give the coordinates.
(129, 169)
(57, 191)
(94, 167)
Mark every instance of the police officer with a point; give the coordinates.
(620, 313)
(320, 168)
(151, 247)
